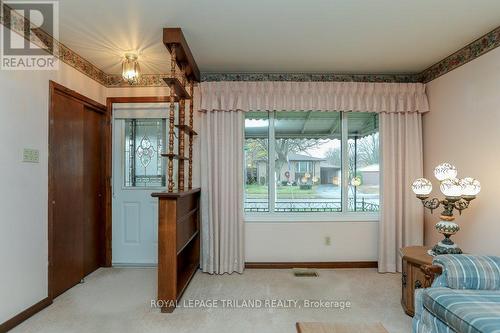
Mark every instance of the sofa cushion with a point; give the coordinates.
(463, 271)
(465, 311)
(430, 324)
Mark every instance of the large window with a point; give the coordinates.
(323, 162)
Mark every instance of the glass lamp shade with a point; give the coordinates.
(130, 68)
(470, 186)
(451, 187)
(445, 171)
(422, 187)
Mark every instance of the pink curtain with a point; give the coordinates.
(320, 96)
(401, 215)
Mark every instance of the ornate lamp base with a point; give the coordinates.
(440, 249)
(446, 246)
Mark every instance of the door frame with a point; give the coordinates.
(56, 88)
(108, 220)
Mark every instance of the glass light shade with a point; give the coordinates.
(445, 171)
(422, 186)
(130, 68)
(470, 186)
(451, 187)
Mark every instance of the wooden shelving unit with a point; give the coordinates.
(178, 209)
(178, 245)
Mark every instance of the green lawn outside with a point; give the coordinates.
(284, 192)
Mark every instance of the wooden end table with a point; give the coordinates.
(414, 258)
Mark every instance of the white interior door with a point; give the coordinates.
(138, 171)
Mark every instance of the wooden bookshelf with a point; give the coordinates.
(178, 243)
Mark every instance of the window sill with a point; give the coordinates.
(308, 217)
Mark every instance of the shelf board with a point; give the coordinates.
(188, 241)
(187, 129)
(179, 89)
(177, 194)
(175, 157)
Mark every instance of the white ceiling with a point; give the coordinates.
(343, 36)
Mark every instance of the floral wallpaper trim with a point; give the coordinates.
(145, 80)
(310, 77)
(468, 53)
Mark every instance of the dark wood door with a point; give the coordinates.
(93, 226)
(66, 154)
(77, 162)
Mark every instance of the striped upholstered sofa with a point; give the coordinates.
(465, 298)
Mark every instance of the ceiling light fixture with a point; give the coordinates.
(130, 68)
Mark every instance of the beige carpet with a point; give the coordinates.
(119, 300)
(339, 328)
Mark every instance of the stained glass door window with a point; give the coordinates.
(143, 145)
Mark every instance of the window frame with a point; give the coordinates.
(279, 217)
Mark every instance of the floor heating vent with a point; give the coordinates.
(305, 272)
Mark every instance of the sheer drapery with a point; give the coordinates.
(401, 216)
(222, 137)
(319, 96)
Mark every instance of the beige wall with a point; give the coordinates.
(463, 128)
(296, 241)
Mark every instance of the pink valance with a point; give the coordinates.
(317, 96)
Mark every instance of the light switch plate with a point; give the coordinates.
(31, 155)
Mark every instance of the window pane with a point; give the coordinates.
(308, 161)
(144, 139)
(256, 162)
(363, 152)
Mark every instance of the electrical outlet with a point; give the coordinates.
(31, 155)
(328, 241)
